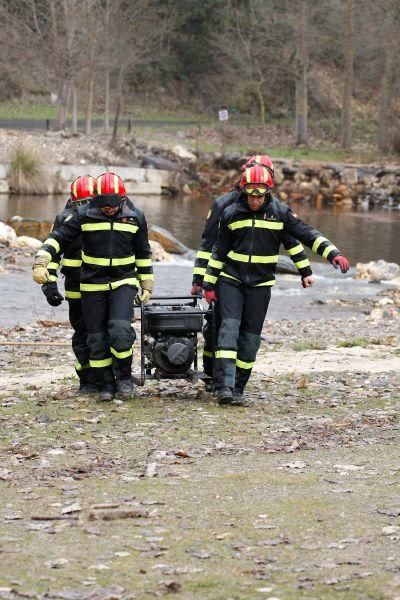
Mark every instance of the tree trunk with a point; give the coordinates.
(107, 103)
(89, 106)
(261, 103)
(301, 70)
(348, 78)
(74, 109)
(118, 108)
(391, 47)
(63, 104)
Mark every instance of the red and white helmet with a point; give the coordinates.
(259, 159)
(111, 190)
(256, 180)
(82, 189)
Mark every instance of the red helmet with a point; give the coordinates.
(256, 180)
(259, 159)
(110, 190)
(83, 188)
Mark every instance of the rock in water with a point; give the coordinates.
(378, 270)
(167, 240)
(7, 234)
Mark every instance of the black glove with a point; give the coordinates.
(53, 296)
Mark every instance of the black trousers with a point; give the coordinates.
(108, 317)
(243, 310)
(208, 356)
(79, 340)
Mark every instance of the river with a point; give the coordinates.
(361, 234)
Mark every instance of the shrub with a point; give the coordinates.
(26, 174)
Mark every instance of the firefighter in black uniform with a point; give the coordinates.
(243, 262)
(82, 189)
(209, 237)
(116, 258)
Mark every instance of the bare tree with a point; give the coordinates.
(348, 77)
(301, 74)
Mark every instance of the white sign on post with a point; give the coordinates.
(223, 114)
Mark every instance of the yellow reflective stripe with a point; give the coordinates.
(52, 277)
(54, 243)
(199, 271)
(210, 278)
(71, 262)
(216, 264)
(93, 260)
(144, 276)
(270, 282)
(225, 354)
(53, 265)
(73, 295)
(127, 260)
(126, 227)
(97, 364)
(240, 224)
(230, 276)
(124, 354)
(295, 250)
(244, 365)
(254, 258)
(257, 223)
(328, 250)
(317, 243)
(302, 263)
(129, 281)
(202, 254)
(80, 367)
(208, 354)
(44, 253)
(96, 226)
(143, 262)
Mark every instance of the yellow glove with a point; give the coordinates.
(40, 272)
(147, 288)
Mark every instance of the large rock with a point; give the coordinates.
(158, 254)
(159, 163)
(7, 234)
(27, 243)
(184, 153)
(379, 270)
(167, 240)
(33, 228)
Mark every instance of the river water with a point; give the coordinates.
(362, 235)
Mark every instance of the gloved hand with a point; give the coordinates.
(147, 289)
(53, 296)
(196, 290)
(342, 262)
(308, 281)
(210, 296)
(40, 272)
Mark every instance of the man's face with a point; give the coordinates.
(109, 211)
(255, 202)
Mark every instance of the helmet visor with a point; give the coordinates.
(258, 189)
(102, 200)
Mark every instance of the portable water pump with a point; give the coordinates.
(169, 329)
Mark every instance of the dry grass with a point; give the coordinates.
(26, 174)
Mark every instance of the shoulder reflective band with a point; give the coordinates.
(121, 355)
(143, 262)
(199, 271)
(215, 264)
(244, 365)
(98, 364)
(129, 281)
(226, 354)
(71, 262)
(80, 367)
(53, 265)
(44, 253)
(73, 295)
(96, 226)
(202, 254)
(54, 243)
(328, 250)
(253, 258)
(295, 250)
(317, 243)
(302, 264)
(108, 262)
(230, 277)
(257, 223)
(210, 278)
(126, 227)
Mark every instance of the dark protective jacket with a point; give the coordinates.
(70, 259)
(210, 234)
(115, 250)
(247, 247)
